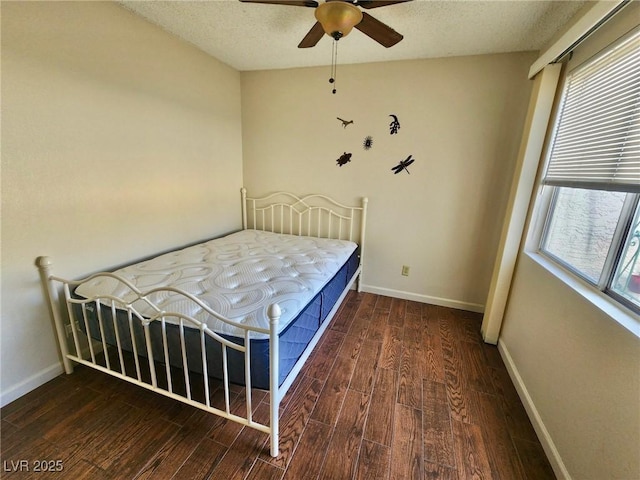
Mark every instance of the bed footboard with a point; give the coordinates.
(109, 334)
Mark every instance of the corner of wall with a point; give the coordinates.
(34, 381)
(536, 420)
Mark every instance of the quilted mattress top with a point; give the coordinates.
(238, 276)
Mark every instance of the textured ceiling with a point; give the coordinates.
(263, 37)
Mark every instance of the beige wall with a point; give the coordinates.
(578, 366)
(118, 141)
(461, 119)
(581, 370)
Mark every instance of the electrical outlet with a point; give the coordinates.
(405, 270)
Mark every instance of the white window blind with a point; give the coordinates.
(597, 140)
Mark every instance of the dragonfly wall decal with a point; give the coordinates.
(403, 165)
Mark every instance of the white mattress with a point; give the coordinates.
(238, 276)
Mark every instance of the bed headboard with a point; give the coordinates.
(311, 215)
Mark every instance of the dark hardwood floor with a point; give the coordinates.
(395, 390)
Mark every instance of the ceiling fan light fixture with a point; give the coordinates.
(338, 18)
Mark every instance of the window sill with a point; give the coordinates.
(618, 312)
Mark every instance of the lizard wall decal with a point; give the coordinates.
(345, 122)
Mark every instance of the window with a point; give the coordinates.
(592, 225)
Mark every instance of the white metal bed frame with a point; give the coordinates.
(282, 212)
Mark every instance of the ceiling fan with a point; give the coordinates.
(336, 18)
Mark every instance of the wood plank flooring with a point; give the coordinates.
(395, 390)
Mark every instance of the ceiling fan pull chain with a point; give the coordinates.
(334, 61)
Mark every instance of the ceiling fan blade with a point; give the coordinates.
(312, 37)
(295, 3)
(381, 33)
(379, 3)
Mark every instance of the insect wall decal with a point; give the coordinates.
(368, 142)
(344, 159)
(403, 165)
(394, 126)
(345, 122)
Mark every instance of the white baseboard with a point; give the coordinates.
(31, 383)
(543, 434)
(443, 302)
